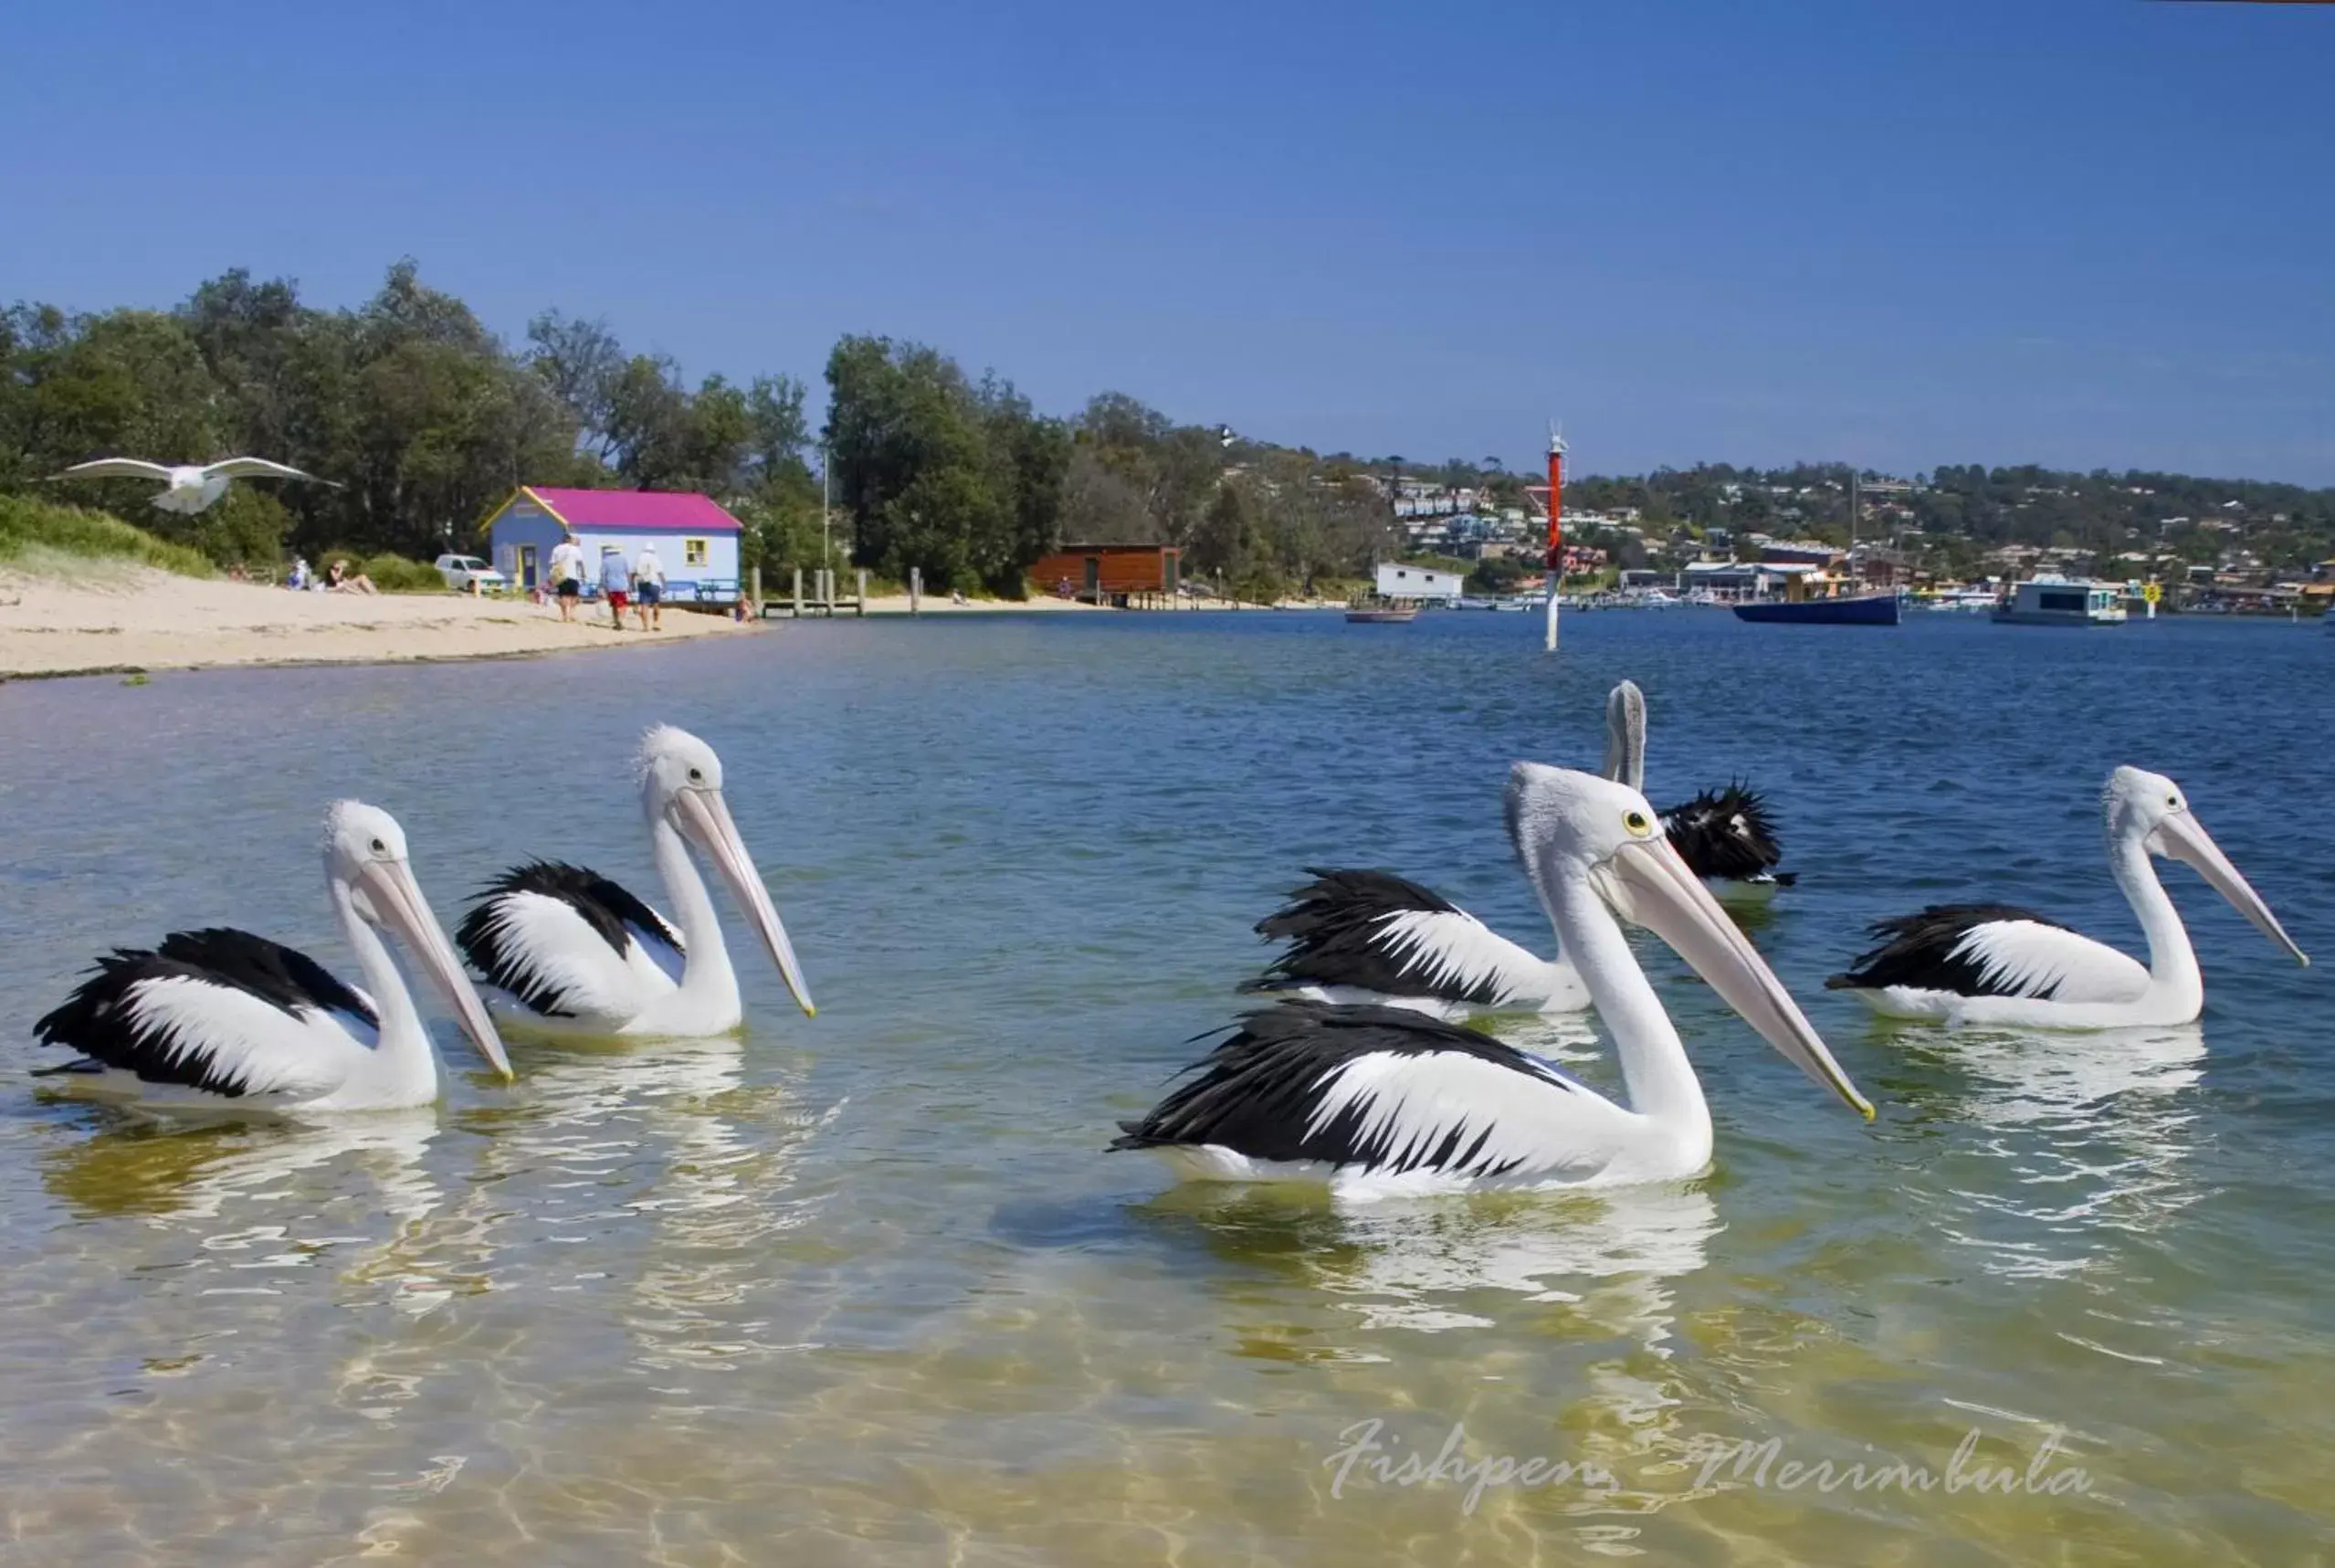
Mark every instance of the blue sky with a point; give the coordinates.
(2080, 232)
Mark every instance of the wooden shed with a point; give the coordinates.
(1103, 572)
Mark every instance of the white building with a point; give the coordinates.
(1396, 582)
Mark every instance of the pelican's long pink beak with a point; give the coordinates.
(2183, 838)
(704, 815)
(397, 897)
(1669, 900)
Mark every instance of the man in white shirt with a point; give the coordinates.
(648, 588)
(567, 576)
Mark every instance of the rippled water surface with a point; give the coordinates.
(866, 1289)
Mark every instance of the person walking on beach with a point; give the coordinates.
(648, 586)
(616, 578)
(567, 576)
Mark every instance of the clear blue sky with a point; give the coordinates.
(2078, 232)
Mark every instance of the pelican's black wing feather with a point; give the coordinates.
(603, 905)
(99, 1020)
(1336, 926)
(1259, 1091)
(1923, 951)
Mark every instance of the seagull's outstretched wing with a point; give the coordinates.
(256, 468)
(116, 469)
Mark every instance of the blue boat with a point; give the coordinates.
(1863, 610)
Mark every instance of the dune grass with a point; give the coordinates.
(40, 535)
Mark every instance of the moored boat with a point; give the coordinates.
(1848, 610)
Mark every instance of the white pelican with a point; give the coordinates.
(1381, 1097)
(224, 1019)
(1991, 963)
(187, 488)
(566, 951)
(1372, 937)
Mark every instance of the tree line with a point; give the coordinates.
(424, 420)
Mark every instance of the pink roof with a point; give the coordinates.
(635, 511)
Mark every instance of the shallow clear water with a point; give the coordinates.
(867, 1289)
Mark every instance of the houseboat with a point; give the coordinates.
(2063, 601)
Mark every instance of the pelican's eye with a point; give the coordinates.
(697, 776)
(2173, 801)
(1635, 821)
(379, 848)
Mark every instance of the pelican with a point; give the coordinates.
(1992, 963)
(566, 951)
(1373, 938)
(1382, 1097)
(187, 488)
(1725, 835)
(224, 1018)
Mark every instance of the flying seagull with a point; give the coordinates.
(187, 488)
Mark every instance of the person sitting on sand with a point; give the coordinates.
(297, 579)
(648, 582)
(616, 578)
(338, 580)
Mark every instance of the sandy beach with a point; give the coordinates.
(99, 617)
(104, 618)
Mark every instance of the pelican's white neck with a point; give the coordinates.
(2172, 962)
(401, 1056)
(706, 974)
(1662, 1084)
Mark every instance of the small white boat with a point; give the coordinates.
(2052, 601)
(1968, 601)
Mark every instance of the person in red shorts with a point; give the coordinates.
(615, 583)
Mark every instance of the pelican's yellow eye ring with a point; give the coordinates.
(1637, 821)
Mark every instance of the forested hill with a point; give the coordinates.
(1960, 510)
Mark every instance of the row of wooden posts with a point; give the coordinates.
(823, 600)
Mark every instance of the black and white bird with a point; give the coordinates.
(187, 488)
(1369, 937)
(1310, 1091)
(224, 1018)
(567, 951)
(1725, 835)
(1993, 963)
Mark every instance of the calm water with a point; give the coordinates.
(867, 1289)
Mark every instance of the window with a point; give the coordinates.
(693, 552)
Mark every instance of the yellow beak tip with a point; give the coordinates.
(809, 1010)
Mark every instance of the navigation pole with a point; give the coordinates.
(1556, 556)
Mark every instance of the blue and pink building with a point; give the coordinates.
(695, 539)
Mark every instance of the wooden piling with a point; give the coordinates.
(862, 609)
(916, 590)
(798, 593)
